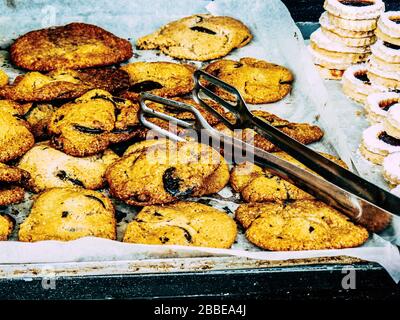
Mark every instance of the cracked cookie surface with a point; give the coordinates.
(12, 182)
(258, 81)
(6, 227)
(73, 46)
(67, 214)
(199, 37)
(182, 223)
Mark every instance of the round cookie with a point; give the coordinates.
(320, 58)
(3, 78)
(199, 37)
(378, 104)
(386, 67)
(350, 42)
(12, 182)
(395, 41)
(73, 46)
(92, 122)
(182, 223)
(386, 52)
(67, 214)
(50, 168)
(64, 84)
(38, 116)
(389, 23)
(6, 227)
(391, 168)
(165, 79)
(257, 81)
(15, 137)
(329, 74)
(164, 172)
(352, 25)
(387, 80)
(392, 121)
(355, 9)
(377, 144)
(302, 132)
(299, 225)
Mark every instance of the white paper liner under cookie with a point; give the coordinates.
(373, 102)
(385, 53)
(388, 26)
(339, 9)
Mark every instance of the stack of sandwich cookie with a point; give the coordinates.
(378, 104)
(384, 64)
(345, 36)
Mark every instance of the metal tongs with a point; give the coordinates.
(362, 201)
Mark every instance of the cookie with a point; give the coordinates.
(347, 41)
(258, 81)
(381, 34)
(73, 46)
(376, 63)
(182, 223)
(64, 84)
(302, 132)
(299, 225)
(6, 227)
(50, 168)
(199, 37)
(353, 25)
(67, 214)
(3, 78)
(165, 79)
(12, 182)
(387, 80)
(386, 52)
(391, 168)
(38, 116)
(15, 137)
(378, 104)
(329, 74)
(355, 9)
(376, 144)
(92, 122)
(321, 58)
(392, 121)
(259, 185)
(165, 172)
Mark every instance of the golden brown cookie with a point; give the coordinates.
(50, 168)
(165, 79)
(6, 227)
(302, 132)
(38, 116)
(15, 137)
(258, 81)
(64, 84)
(3, 78)
(12, 182)
(299, 225)
(199, 37)
(258, 185)
(165, 172)
(92, 122)
(182, 223)
(73, 46)
(68, 214)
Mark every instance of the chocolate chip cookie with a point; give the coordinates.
(164, 79)
(302, 132)
(6, 227)
(38, 116)
(3, 78)
(258, 81)
(67, 214)
(64, 84)
(50, 168)
(182, 223)
(299, 225)
(167, 171)
(15, 137)
(92, 122)
(199, 37)
(73, 46)
(12, 182)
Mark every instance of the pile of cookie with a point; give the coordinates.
(345, 36)
(69, 127)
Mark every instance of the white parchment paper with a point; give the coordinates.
(276, 38)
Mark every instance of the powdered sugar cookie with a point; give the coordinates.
(355, 9)
(378, 105)
(353, 25)
(380, 79)
(377, 144)
(387, 38)
(347, 41)
(392, 122)
(389, 23)
(376, 63)
(343, 57)
(329, 74)
(339, 63)
(386, 52)
(391, 168)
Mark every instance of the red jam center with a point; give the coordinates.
(356, 3)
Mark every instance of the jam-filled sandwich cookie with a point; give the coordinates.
(15, 137)
(259, 185)
(391, 168)
(302, 132)
(92, 122)
(51, 168)
(67, 214)
(158, 171)
(3, 78)
(378, 104)
(12, 182)
(64, 84)
(199, 37)
(386, 52)
(73, 46)
(355, 9)
(392, 122)
(323, 59)
(377, 144)
(182, 223)
(6, 227)
(357, 85)
(258, 81)
(329, 74)
(164, 79)
(298, 225)
(389, 27)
